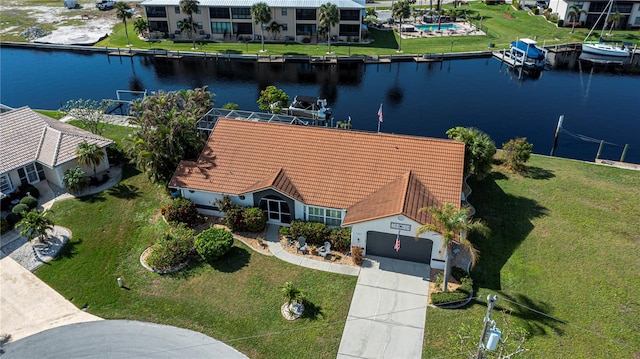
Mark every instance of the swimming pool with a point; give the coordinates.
(434, 27)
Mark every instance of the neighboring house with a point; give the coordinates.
(230, 20)
(34, 147)
(374, 183)
(629, 11)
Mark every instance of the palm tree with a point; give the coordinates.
(400, 10)
(453, 224)
(35, 224)
(371, 12)
(574, 14)
(141, 27)
(188, 7)
(274, 29)
(187, 26)
(614, 19)
(261, 14)
(123, 12)
(89, 154)
(328, 16)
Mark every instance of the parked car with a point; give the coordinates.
(105, 4)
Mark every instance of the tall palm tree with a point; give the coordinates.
(328, 16)
(574, 12)
(274, 29)
(189, 7)
(400, 10)
(614, 19)
(35, 224)
(89, 154)
(123, 12)
(453, 225)
(187, 26)
(261, 14)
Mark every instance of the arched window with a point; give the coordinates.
(277, 209)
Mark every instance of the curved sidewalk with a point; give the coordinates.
(273, 241)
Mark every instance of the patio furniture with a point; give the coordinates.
(324, 250)
(302, 245)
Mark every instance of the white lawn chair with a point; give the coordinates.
(324, 250)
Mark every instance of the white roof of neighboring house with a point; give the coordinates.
(341, 4)
(27, 136)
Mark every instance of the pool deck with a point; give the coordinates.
(462, 29)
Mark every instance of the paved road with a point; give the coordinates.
(388, 310)
(119, 339)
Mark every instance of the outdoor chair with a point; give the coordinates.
(302, 245)
(324, 250)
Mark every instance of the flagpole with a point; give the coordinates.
(378, 126)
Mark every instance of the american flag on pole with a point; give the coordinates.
(397, 245)
(380, 113)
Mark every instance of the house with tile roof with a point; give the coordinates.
(34, 147)
(374, 183)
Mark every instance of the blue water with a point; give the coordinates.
(419, 99)
(434, 27)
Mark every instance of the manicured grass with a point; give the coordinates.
(113, 132)
(237, 301)
(51, 113)
(502, 24)
(564, 242)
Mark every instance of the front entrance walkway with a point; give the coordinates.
(388, 310)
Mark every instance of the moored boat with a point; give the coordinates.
(604, 48)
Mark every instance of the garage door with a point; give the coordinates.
(382, 244)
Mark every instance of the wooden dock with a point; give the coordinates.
(164, 54)
(270, 59)
(427, 58)
(500, 55)
(126, 52)
(624, 165)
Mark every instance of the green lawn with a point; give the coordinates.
(237, 302)
(564, 242)
(501, 30)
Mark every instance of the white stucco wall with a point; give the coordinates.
(359, 235)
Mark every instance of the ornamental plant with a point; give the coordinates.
(234, 217)
(340, 239)
(516, 153)
(181, 210)
(75, 180)
(213, 243)
(172, 249)
(314, 232)
(254, 219)
(31, 202)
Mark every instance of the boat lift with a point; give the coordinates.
(119, 102)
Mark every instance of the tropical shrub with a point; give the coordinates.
(254, 219)
(4, 225)
(20, 209)
(516, 152)
(478, 152)
(75, 180)
(31, 202)
(284, 231)
(291, 293)
(181, 210)
(460, 294)
(235, 219)
(340, 239)
(224, 204)
(172, 249)
(357, 254)
(213, 243)
(313, 232)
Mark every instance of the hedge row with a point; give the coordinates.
(456, 297)
(241, 219)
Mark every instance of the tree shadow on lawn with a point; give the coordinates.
(236, 259)
(124, 191)
(93, 198)
(509, 218)
(129, 170)
(532, 319)
(311, 311)
(69, 249)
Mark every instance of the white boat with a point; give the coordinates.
(309, 107)
(604, 48)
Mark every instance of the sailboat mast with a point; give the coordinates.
(598, 20)
(610, 5)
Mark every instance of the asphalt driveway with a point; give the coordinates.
(387, 314)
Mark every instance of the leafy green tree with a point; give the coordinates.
(187, 26)
(400, 10)
(123, 12)
(574, 12)
(189, 7)
(453, 226)
(231, 106)
(165, 130)
(274, 29)
(479, 150)
(371, 12)
(141, 27)
(35, 224)
(90, 113)
(328, 17)
(261, 14)
(273, 99)
(516, 153)
(213, 243)
(89, 154)
(75, 180)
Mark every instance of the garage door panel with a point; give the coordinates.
(382, 244)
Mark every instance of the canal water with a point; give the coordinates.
(419, 99)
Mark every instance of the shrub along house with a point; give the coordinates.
(374, 183)
(34, 147)
(230, 20)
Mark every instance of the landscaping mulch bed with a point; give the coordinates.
(344, 259)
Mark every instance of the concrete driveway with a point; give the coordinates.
(387, 313)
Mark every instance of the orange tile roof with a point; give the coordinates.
(372, 175)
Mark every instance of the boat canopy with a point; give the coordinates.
(532, 51)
